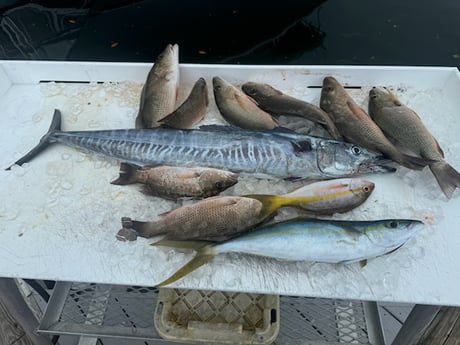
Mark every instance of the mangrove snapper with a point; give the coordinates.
(177, 182)
(213, 218)
(403, 125)
(275, 153)
(275, 102)
(159, 93)
(238, 109)
(192, 110)
(308, 239)
(357, 127)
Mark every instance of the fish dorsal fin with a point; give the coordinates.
(357, 110)
(393, 98)
(220, 128)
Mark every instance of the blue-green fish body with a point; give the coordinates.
(276, 153)
(308, 240)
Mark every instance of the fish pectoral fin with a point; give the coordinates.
(357, 110)
(352, 232)
(301, 146)
(243, 99)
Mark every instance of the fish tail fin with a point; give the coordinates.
(127, 174)
(143, 229)
(45, 141)
(271, 203)
(205, 253)
(415, 163)
(448, 178)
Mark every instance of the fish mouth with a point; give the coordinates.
(381, 165)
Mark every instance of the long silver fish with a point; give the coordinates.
(276, 153)
(306, 240)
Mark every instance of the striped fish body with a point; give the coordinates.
(280, 154)
(323, 240)
(260, 152)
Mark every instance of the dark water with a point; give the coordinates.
(391, 32)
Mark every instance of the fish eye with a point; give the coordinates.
(393, 224)
(219, 185)
(356, 150)
(373, 95)
(252, 91)
(366, 189)
(328, 88)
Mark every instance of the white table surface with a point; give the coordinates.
(59, 213)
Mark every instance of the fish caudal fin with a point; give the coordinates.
(448, 178)
(143, 229)
(127, 174)
(44, 141)
(271, 203)
(205, 253)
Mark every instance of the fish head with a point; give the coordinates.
(167, 63)
(392, 233)
(214, 181)
(338, 159)
(259, 91)
(332, 92)
(361, 187)
(381, 97)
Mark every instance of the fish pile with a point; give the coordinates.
(174, 159)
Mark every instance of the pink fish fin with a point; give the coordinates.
(357, 110)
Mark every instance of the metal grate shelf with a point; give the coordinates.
(100, 310)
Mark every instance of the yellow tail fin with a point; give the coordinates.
(271, 203)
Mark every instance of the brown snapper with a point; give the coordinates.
(356, 125)
(405, 126)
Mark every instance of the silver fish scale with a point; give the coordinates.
(260, 152)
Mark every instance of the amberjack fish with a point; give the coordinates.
(307, 239)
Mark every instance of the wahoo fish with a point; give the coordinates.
(404, 126)
(357, 127)
(177, 182)
(269, 153)
(159, 93)
(323, 197)
(308, 239)
(276, 102)
(238, 109)
(192, 110)
(215, 219)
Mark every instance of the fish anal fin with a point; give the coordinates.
(191, 245)
(192, 265)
